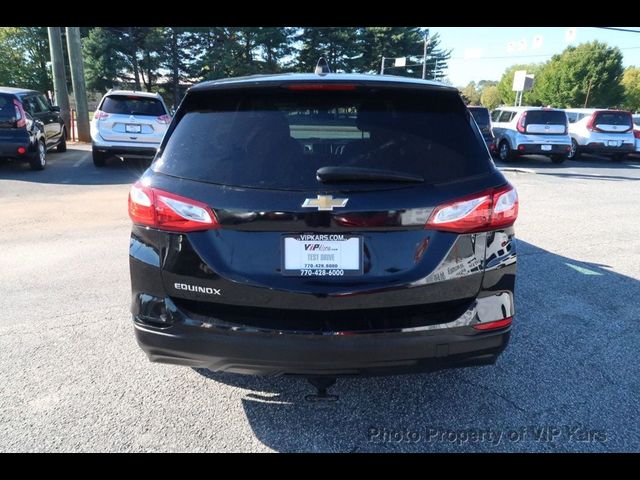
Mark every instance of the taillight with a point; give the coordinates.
(520, 127)
(591, 123)
(488, 210)
(636, 133)
(21, 118)
(100, 115)
(166, 211)
(165, 119)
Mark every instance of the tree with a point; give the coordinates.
(339, 45)
(490, 97)
(591, 69)
(103, 64)
(505, 85)
(24, 54)
(631, 84)
(470, 94)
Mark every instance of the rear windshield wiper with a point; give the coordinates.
(358, 174)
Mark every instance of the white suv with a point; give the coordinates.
(600, 131)
(128, 123)
(531, 130)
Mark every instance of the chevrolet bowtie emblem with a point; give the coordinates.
(325, 202)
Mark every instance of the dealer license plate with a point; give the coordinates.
(322, 255)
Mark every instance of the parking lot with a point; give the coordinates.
(73, 377)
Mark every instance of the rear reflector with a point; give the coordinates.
(487, 210)
(22, 150)
(166, 211)
(521, 148)
(321, 86)
(493, 325)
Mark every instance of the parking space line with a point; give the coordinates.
(81, 161)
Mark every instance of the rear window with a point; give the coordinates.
(481, 115)
(636, 121)
(545, 117)
(132, 105)
(614, 118)
(278, 139)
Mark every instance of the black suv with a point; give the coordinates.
(29, 126)
(322, 225)
(481, 116)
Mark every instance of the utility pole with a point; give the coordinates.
(59, 78)
(424, 55)
(586, 100)
(77, 79)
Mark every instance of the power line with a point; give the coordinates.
(629, 30)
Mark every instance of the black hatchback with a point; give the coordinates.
(29, 126)
(322, 225)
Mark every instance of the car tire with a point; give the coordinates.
(62, 144)
(558, 158)
(505, 153)
(38, 159)
(574, 153)
(99, 158)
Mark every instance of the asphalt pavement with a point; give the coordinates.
(73, 378)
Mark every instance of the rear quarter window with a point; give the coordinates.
(278, 139)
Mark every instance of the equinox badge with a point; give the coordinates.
(325, 202)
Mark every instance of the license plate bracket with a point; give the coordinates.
(322, 255)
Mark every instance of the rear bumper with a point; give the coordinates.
(536, 149)
(133, 150)
(9, 146)
(603, 149)
(259, 353)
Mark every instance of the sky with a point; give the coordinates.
(484, 53)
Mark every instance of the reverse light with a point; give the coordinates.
(167, 211)
(21, 118)
(100, 115)
(505, 322)
(164, 119)
(487, 210)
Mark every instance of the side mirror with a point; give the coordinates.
(55, 108)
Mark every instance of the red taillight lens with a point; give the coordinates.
(636, 133)
(493, 325)
(520, 127)
(166, 211)
(164, 119)
(21, 118)
(488, 210)
(100, 115)
(591, 123)
(321, 86)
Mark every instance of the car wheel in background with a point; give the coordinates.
(504, 151)
(558, 158)
(99, 158)
(38, 159)
(574, 153)
(62, 145)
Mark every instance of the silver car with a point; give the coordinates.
(600, 131)
(636, 131)
(128, 123)
(531, 130)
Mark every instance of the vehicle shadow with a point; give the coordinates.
(571, 368)
(75, 167)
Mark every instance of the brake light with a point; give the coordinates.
(21, 118)
(100, 115)
(505, 322)
(636, 133)
(164, 119)
(520, 127)
(591, 123)
(488, 210)
(321, 86)
(166, 211)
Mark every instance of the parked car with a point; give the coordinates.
(128, 123)
(481, 116)
(29, 126)
(600, 131)
(322, 224)
(531, 130)
(636, 131)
